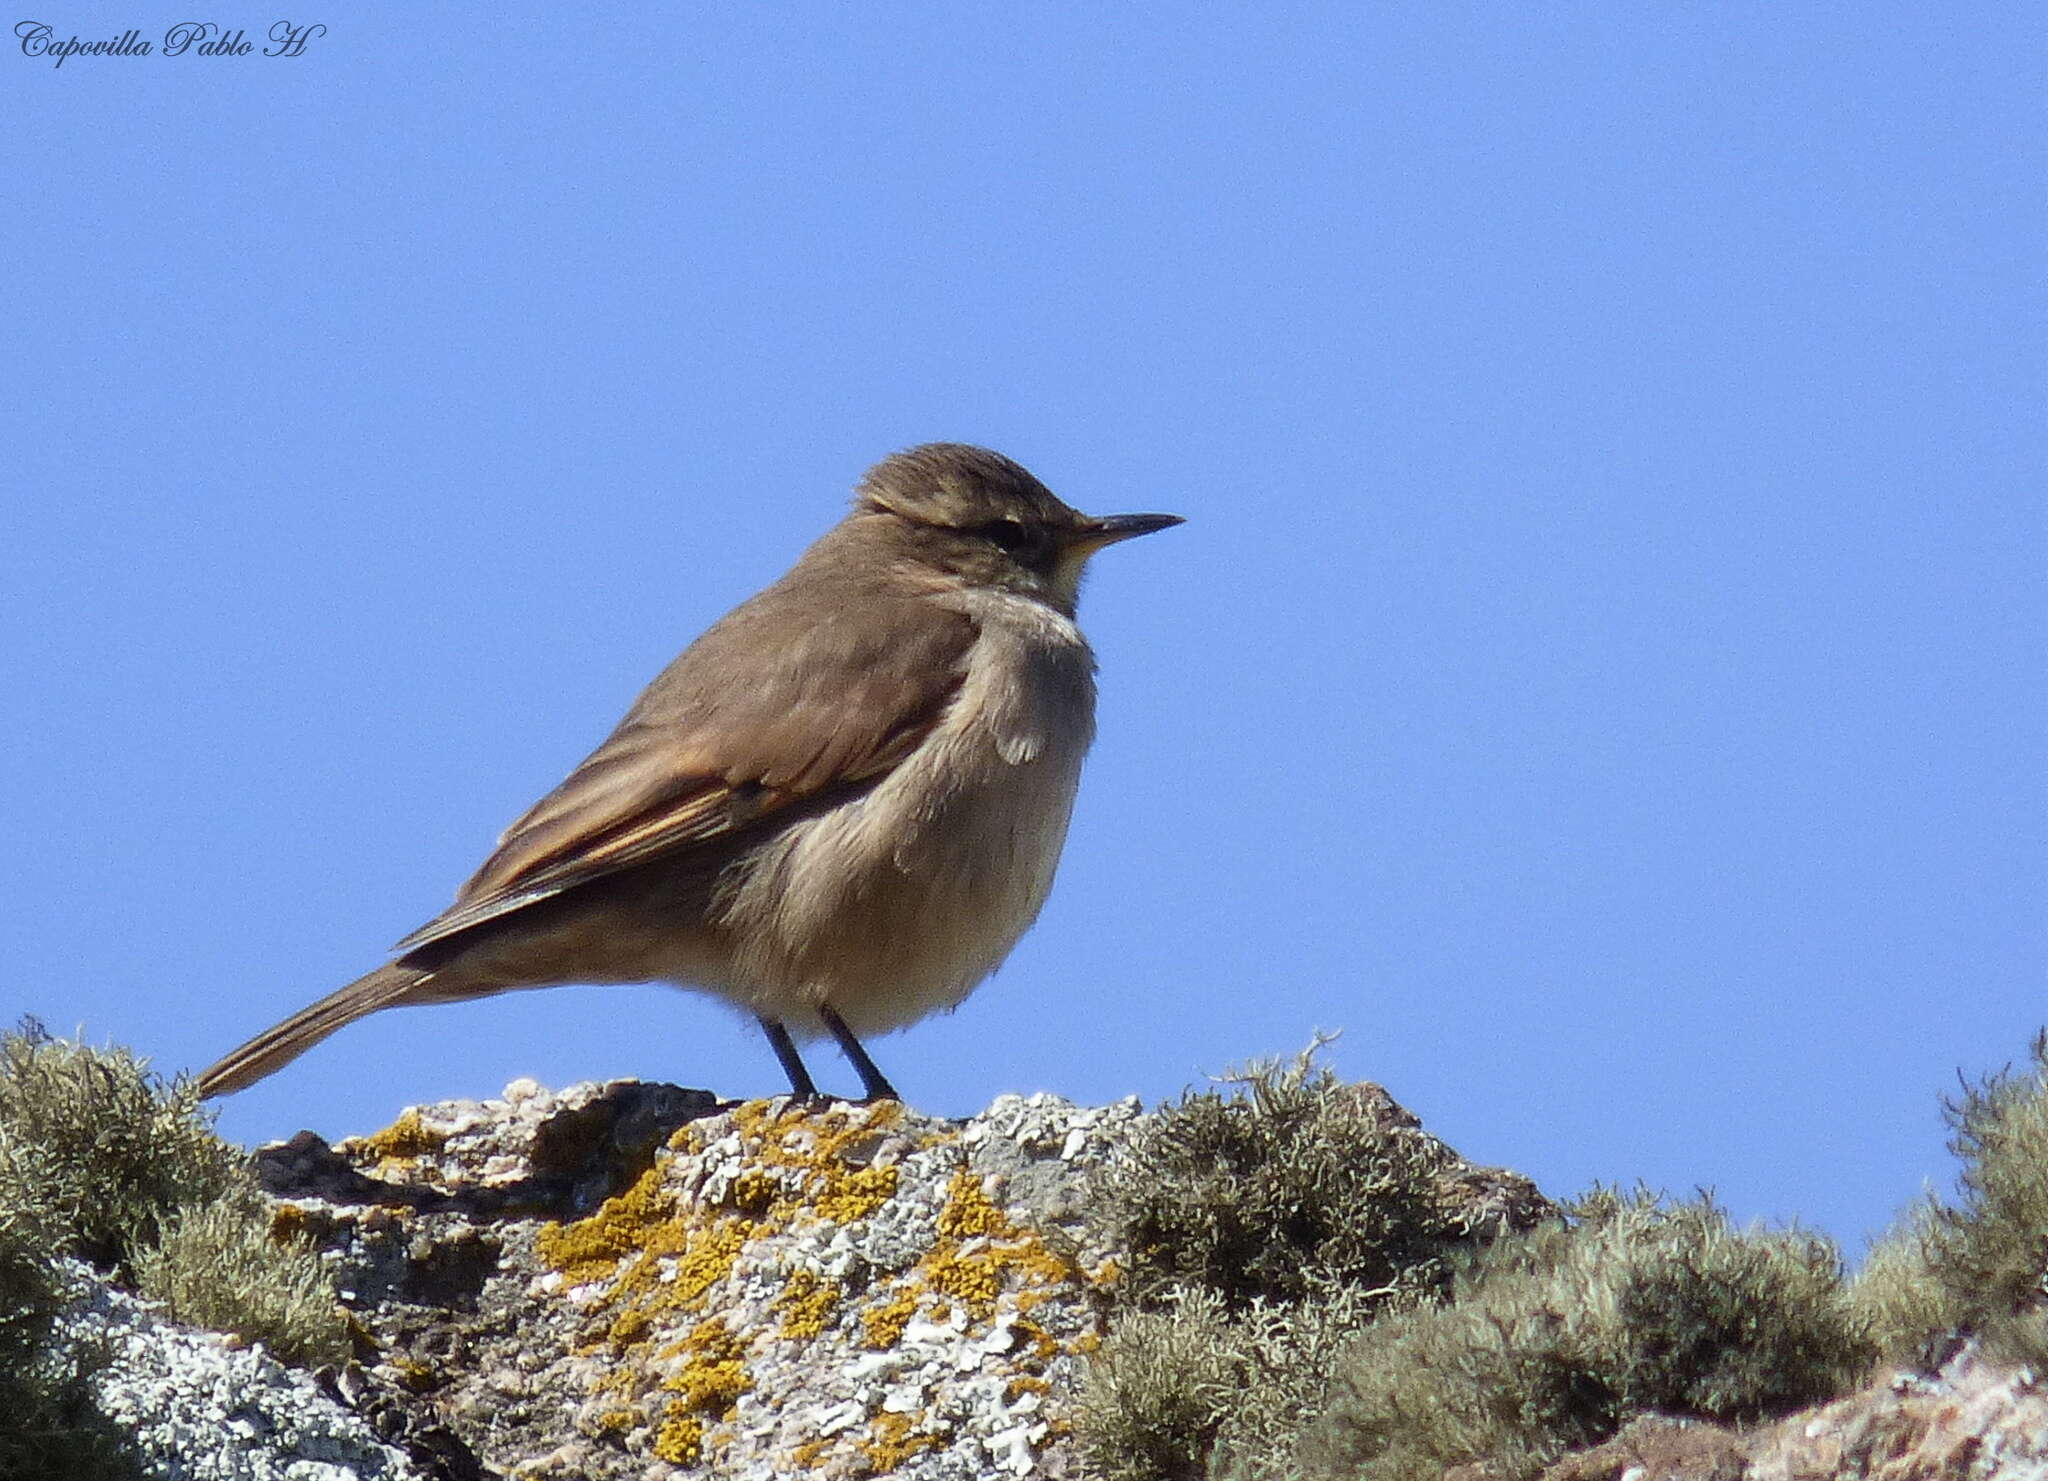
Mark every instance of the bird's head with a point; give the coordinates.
(979, 516)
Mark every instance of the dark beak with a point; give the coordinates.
(1114, 527)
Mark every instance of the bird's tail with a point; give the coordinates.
(278, 1046)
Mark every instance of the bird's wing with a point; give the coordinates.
(757, 716)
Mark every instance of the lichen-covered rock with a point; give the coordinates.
(1968, 1420)
(631, 1280)
(189, 1406)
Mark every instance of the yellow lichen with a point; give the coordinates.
(616, 1421)
(405, 1138)
(680, 1441)
(970, 1277)
(755, 1191)
(828, 1151)
(979, 1256)
(591, 1248)
(806, 1305)
(708, 1259)
(855, 1195)
(1042, 1344)
(707, 1386)
(891, 1440)
(673, 1274)
(714, 1375)
(884, 1324)
(625, 1380)
(289, 1222)
(629, 1327)
(658, 1256)
(968, 1211)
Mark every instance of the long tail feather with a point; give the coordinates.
(279, 1045)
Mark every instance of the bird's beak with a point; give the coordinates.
(1111, 528)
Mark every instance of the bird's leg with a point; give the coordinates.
(872, 1081)
(800, 1084)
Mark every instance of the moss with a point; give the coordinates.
(1906, 1307)
(122, 1169)
(1161, 1392)
(47, 1430)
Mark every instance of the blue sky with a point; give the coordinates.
(1600, 672)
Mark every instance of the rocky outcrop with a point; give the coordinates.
(634, 1280)
(189, 1404)
(1968, 1420)
(631, 1280)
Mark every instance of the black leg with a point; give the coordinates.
(872, 1080)
(800, 1084)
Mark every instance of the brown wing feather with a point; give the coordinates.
(770, 708)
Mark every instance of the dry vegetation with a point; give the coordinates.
(105, 1163)
(1301, 1308)
(1316, 1288)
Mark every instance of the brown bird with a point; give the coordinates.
(838, 809)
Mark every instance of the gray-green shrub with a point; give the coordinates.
(1555, 1338)
(106, 1163)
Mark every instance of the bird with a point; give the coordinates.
(837, 810)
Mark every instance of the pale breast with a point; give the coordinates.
(897, 904)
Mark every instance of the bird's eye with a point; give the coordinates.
(1009, 534)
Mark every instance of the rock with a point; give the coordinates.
(637, 1281)
(1969, 1420)
(193, 1406)
(629, 1280)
